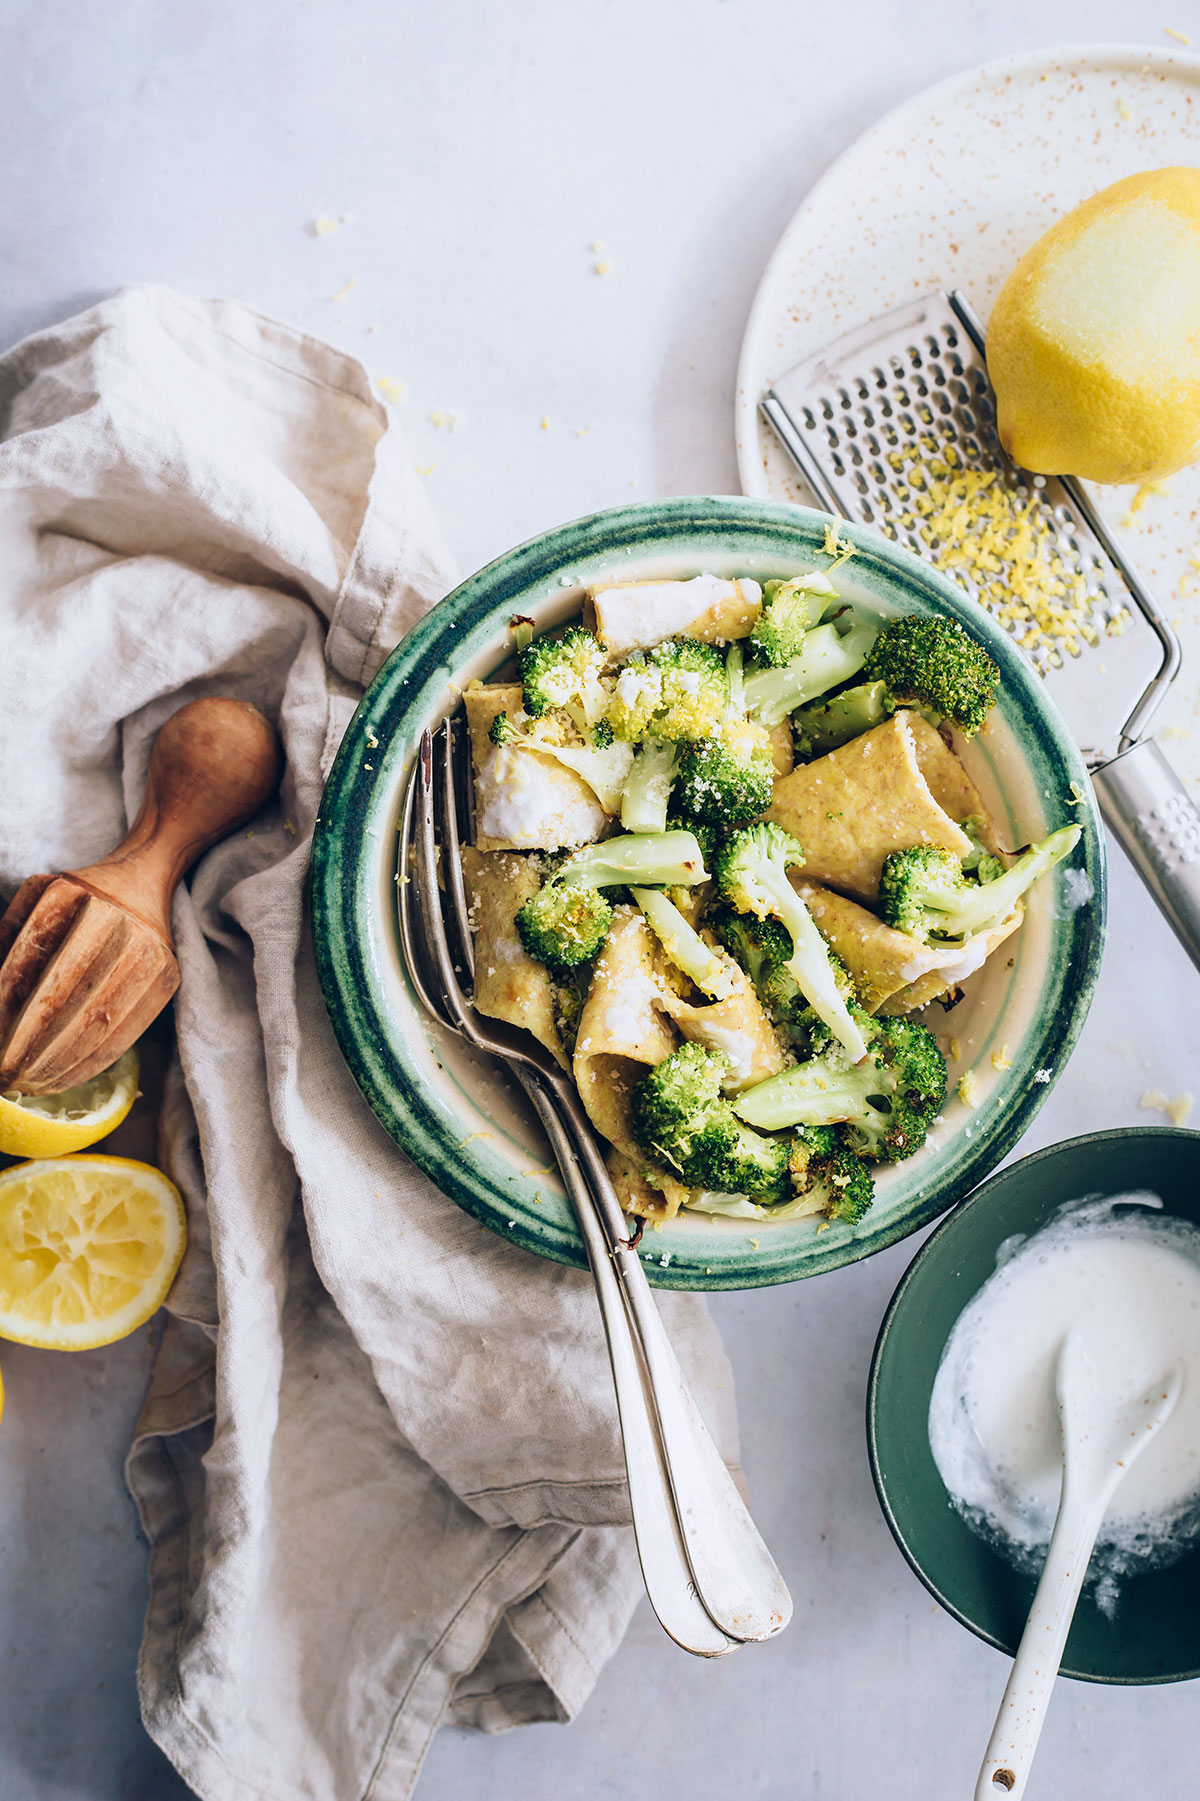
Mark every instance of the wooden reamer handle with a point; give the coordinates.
(213, 765)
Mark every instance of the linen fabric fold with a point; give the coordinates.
(378, 1466)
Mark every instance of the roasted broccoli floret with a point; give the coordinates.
(648, 788)
(566, 672)
(719, 786)
(800, 1024)
(790, 610)
(929, 661)
(726, 780)
(567, 920)
(684, 946)
(825, 660)
(603, 764)
(676, 691)
(761, 946)
(821, 1165)
(828, 724)
(752, 877)
(885, 1104)
(924, 892)
(681, 1119)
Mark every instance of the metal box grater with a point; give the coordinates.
(865, 417)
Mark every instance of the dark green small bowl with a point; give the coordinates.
(1155, 1636)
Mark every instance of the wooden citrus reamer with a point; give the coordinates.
(87, 958)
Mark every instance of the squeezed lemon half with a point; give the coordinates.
(88, 1249)
(50, 1125)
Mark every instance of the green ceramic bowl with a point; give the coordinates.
(457, 1115)
(1155, 1636)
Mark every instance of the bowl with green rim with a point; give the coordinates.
(1154, 1633)
(459, 1115)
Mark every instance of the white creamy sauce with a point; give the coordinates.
(521, 802)
(963, 963)
(993, 1415)
(636, 616)
(631, 1016)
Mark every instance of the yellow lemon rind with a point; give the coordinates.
(26, 1132)
(91, 1334)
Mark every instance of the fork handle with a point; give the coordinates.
(1155, 821)
(661, 1550)
(734, 1572)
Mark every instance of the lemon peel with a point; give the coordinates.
(89, 1247)
(1094, 341)
(51, 1125)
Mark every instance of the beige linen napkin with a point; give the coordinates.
(378, 1464)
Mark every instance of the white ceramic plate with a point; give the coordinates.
(947, 192)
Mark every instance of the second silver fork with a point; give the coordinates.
(710, 1578)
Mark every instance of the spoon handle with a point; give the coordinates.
(1018, 1727)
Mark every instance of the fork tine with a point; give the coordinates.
(412, 937)
(429, 892)
(446, 808)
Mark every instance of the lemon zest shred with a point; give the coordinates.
(840, 549)
(1001, 541)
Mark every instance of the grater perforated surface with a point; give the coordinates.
(895, 421)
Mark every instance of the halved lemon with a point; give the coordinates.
(88, 1249)
(50, 1125)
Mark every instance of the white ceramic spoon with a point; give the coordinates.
(1101, 1440)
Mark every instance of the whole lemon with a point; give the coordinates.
(1094, 342)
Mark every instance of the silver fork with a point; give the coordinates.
(710, 1579)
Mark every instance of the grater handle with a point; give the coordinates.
(1157, 824)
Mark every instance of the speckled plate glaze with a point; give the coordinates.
(457, 1114)
(949, 191)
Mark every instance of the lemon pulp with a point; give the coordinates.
(50, 1125)
(88, 1249)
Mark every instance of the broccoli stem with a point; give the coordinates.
(809, 962)
(975, 907)
(669, 859)
(736, 707)
(605, 770)
(826, 661)
(835, 722)
(648, 790)
(685, 947)
(809, 1094)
